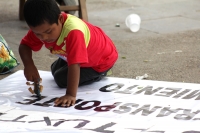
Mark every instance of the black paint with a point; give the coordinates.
(127, 91)
(106, 108)
(48, 121)
(166, 111)
(105, 88)
(148, 90)
(80, 106)
(16, 119)
(2, 113)
(125, 108)
(192, 95)
(31, 101)
(102, 128)
(145, 110)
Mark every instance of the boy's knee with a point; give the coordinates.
(60, 81)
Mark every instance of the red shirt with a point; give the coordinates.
(89, 48)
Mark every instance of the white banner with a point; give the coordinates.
(113, 105)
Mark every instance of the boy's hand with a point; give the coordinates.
(66, 100)
(31, 73)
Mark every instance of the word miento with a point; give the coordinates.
(122, 108)
(148, 90)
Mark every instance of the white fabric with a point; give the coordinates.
(165, 107)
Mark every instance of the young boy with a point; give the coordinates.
(85, 52)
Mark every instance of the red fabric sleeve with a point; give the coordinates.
(76, 48)
(32, 41)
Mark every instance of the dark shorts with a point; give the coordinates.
(59, 70)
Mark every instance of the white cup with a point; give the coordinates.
(133, 22)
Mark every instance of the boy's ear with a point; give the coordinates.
(61, 18)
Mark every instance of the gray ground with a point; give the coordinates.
(166, 47)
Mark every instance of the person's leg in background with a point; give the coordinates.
(68, 3)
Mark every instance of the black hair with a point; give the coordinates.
(36, 12)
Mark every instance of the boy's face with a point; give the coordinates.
(47, 32)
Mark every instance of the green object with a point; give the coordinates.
(123, 57)
(109, 72)
(139, 87)
(117, 25)
(7, 59)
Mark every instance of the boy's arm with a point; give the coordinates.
(30, 70)
(25, 54)
(72, 85)
(73, 79)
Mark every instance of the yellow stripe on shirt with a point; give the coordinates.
(74, 23)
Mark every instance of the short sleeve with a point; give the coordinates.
(32, 41)
(76, 48)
